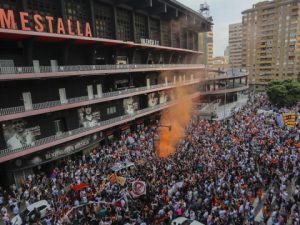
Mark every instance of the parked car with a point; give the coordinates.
(185, 221)
(42, 206)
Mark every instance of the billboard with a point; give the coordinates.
(152, 99)
(163, 97)
(57, 152)
(130, 105)
(18, 135)
(88, 117)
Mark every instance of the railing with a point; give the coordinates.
(101, 125)
(44, 105)
(52, 138)
(229, 89)
(214, 77)
(56, 69)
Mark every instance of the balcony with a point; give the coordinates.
(47, 142)
(229, 89)
(12, 73)
(38, 145)
(52, 106)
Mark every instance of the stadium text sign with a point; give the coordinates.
(149, 41)
(40, 23)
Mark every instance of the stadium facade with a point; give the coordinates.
(75, 74)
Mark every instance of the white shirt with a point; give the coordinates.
(16, 210)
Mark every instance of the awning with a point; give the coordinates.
(126, 127)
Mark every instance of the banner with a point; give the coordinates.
(88, 118)
(163, 97)
(175, 187)
(17, 134)
(138, 189)
(57, 152)
(130, 105)
(152, 99)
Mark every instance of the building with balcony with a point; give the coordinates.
(206, 44)
(76, 74)
(235, 45)
(271, 41)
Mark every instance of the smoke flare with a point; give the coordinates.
(178, 117)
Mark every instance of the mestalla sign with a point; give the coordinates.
(40, 23)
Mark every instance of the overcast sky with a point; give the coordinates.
(224, 12)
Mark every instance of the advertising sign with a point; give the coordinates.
(88, 118)
(18, 135)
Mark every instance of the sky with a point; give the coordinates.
(224, 12)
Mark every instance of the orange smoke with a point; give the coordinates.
(178, 117)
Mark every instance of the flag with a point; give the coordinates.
(113, 178)
(138, 188)
(121, 180)
(279, 120)
(289, 119)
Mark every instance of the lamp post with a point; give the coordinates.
(225, 99)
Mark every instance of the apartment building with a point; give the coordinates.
(206, 46)
(271, 41)
(235, 45)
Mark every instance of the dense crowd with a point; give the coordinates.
(217, 172)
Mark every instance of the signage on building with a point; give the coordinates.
(59, 152)
(69, 149)
(149, 41)
(39, 23)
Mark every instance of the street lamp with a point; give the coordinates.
(225, 99)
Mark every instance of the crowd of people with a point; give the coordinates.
(219, 170)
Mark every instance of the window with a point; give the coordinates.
(103, 20)
(124, 25)
(77, 10)
(140, 27)
(154, 29)
(111, 110)
(166, 32)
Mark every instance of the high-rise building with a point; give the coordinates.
(271, 41)
(235, 45)
(206, 46)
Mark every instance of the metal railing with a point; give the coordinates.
(42, 141)
(49, 104)
(212, 77)
(57, 69)
(112, 122)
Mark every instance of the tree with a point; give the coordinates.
(284, 93)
